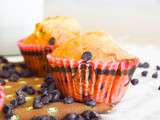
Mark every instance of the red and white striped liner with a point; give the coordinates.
(102, 88)
(34, 62)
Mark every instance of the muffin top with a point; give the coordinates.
(55, 29)
(92, 45)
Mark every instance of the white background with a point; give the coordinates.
(135, 21)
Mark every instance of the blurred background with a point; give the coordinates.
(128, 21)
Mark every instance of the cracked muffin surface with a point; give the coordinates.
(59, 28)
(99, 44)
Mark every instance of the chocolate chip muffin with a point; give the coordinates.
(92, 66)
(48, 34)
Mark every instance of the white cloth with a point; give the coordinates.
(141, 102)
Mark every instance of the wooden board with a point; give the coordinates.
(57, 109)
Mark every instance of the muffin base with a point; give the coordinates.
(102, 81)
(35, 57)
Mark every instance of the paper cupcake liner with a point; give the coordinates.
(2, 97)
(35, 57)
(101, 81)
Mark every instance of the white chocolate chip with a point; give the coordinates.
(7, 87)
(22, 82)
(37, 86)
(29, 108)
(15, 117)
(29, 98)
(52, 111)
(9, 96)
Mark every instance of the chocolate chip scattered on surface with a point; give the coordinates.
(144, 65)
(14, 77)
(71, 116)
(85, 115)
(68, 100)
(29, 90)
(43, 117)
(89, 115)
(144, 73)
(14, 103)
(134, 81)
(157, 67)
(155, 75)
(3, 59)
(90, 102)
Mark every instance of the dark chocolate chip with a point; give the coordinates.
(14, 77)
(22, 65)
(68, 100)
(44, 85)
(79, 117)
(5, 67)
(37, 103)
(86, 114)
(49, 97)
(2, 82)
(30, 90)
(7, 108)
(101, 87)
(55, 96)
(24, 88)
(20, 92)
(71, 116)
(3, 59)
(94, 115)
(43, 91)
(13, 70)
(134, 81)
(159, 88)
(4, 73)
(90, 115)
(20, 100)
(158, 67)
(51, 87)
(87, 56)
(51, 41)
(144, 65)
(10, 65)
(144, 73)
(9, 114)
(48, 79)
(155, 75)
(90, 102)
(43, 117)
(26, 73)
(45, 99)
(14, 103)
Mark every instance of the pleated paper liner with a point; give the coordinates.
(35, 57)
(2, 97)
(105, 82)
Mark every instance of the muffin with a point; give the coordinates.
(48, 34)
(92, 66)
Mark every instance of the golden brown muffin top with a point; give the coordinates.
(61, 28)
(99, 44)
